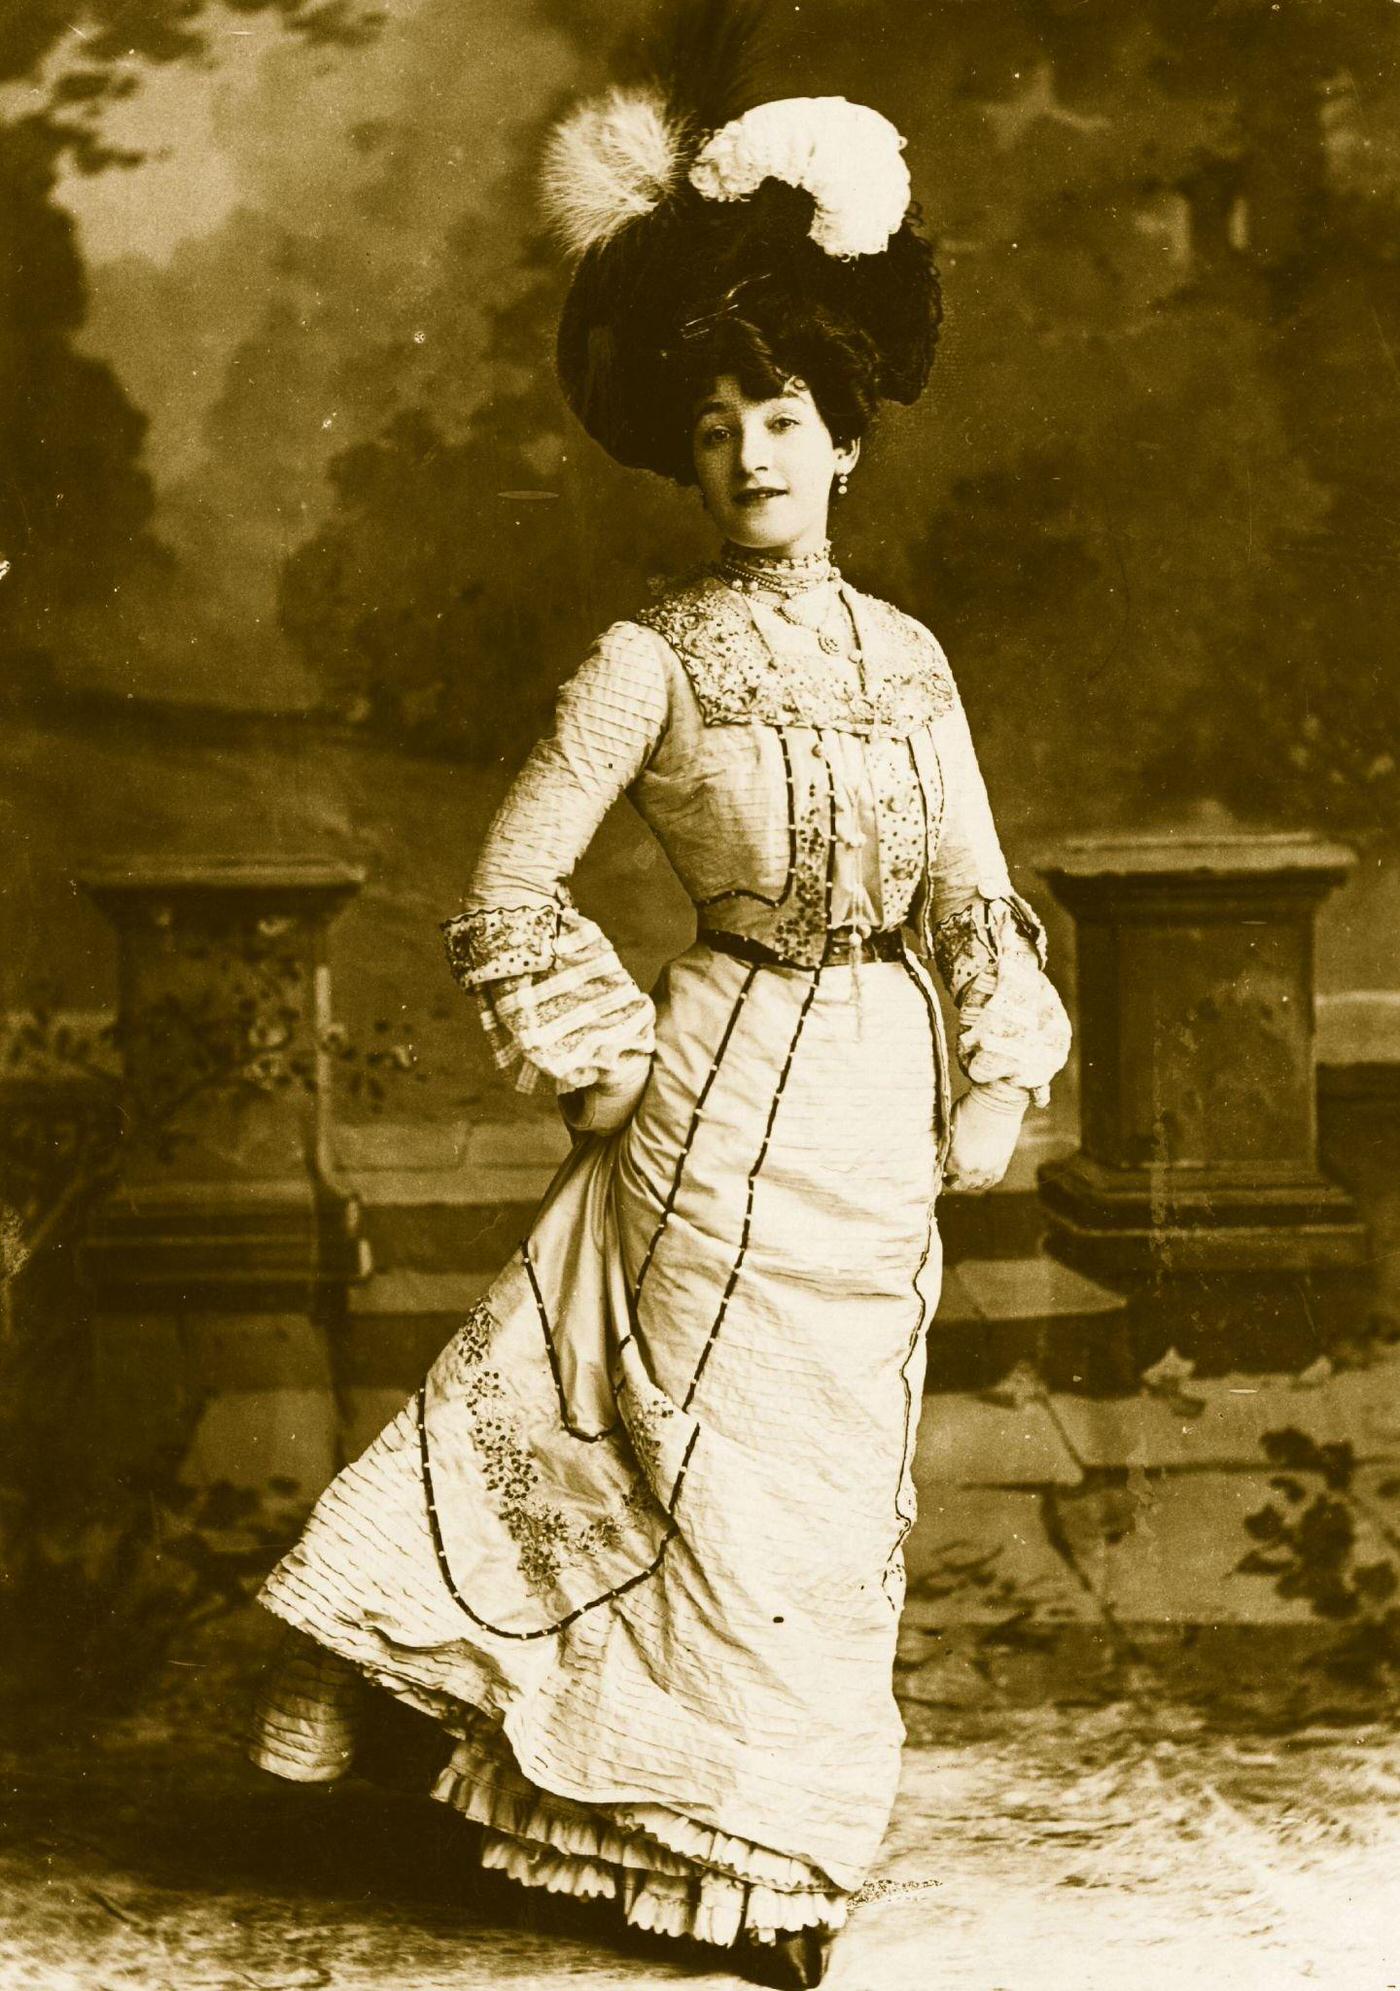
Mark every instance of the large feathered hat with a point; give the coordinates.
(691, 195)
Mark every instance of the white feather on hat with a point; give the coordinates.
(610, 161)
(846, 156)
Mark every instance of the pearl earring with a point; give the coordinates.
(843, 483)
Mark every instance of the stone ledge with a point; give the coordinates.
(964, 1441)
(446, 1238)
(1162, 1548)
(457, 1163)
(997, 1313)
(1035, 1288)
(1222, 1420)
(1191, 853)
(406, 1293)
(977, 1554)
(1359, 1027)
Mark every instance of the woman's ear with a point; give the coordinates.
(847, 457)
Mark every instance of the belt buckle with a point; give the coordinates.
(849, 944)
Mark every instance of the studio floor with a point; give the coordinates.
(1129, 1844)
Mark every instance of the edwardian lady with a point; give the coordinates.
(636, 1543)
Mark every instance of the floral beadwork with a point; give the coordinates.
(487, 946)
(470, 1345)
(546, 1542)
(647, 1413)
(970, 942)
(736, 678)
(915, 679)
(801, 929)
(903, 832)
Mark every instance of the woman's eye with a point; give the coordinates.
(783, 422)
(714, 435)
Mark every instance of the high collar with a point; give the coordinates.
(754, 572)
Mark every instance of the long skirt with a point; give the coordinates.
(636, 1542)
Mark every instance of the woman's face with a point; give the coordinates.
(766, 468)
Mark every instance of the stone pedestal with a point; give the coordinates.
(227, 1245)
(1198, 1109)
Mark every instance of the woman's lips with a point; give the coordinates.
(757, 497)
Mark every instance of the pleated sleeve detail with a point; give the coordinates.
(575, 1023)
(560, 1010)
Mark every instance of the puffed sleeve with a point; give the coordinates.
(986, 941)
(560, 1010)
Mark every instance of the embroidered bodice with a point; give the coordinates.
(805, 763)
(745, 667)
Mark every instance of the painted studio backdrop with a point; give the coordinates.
(300, 539)
(297, 542)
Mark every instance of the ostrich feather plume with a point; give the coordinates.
(609, 161)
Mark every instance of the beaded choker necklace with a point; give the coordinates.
(752, 572)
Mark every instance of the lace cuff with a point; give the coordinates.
(499, 941)
(571, 1023)
(1012, 1024)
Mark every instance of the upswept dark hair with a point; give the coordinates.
(765, 346)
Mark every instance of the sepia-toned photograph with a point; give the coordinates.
(700, 1034)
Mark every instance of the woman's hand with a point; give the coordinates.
(610, 1103)
(986, 1127)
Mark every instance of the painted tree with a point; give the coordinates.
(1149, 501)
(1171, 516)
(1153, 510)
(75, 502)
(456, 581)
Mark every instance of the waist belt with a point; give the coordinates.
(842, 947)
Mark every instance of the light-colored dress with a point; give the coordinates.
(636, 1543)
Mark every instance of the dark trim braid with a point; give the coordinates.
(922, 793)
(830, 839)
(584, 1437)
(675, 1500)
(673, 1192)
(943, 1104)
(752, 1182)
(445, 1569)
(904, 1522)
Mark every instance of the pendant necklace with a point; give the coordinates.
(832, 645)
(851, 652)
(782, 583)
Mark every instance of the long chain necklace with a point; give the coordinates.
(832, 645)
(784, 582)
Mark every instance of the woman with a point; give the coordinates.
(636, 1543)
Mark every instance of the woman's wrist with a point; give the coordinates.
(1001, 1095)
(612, 1097)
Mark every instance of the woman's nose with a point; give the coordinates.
(754, 452)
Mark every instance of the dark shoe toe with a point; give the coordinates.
(792, 1963)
